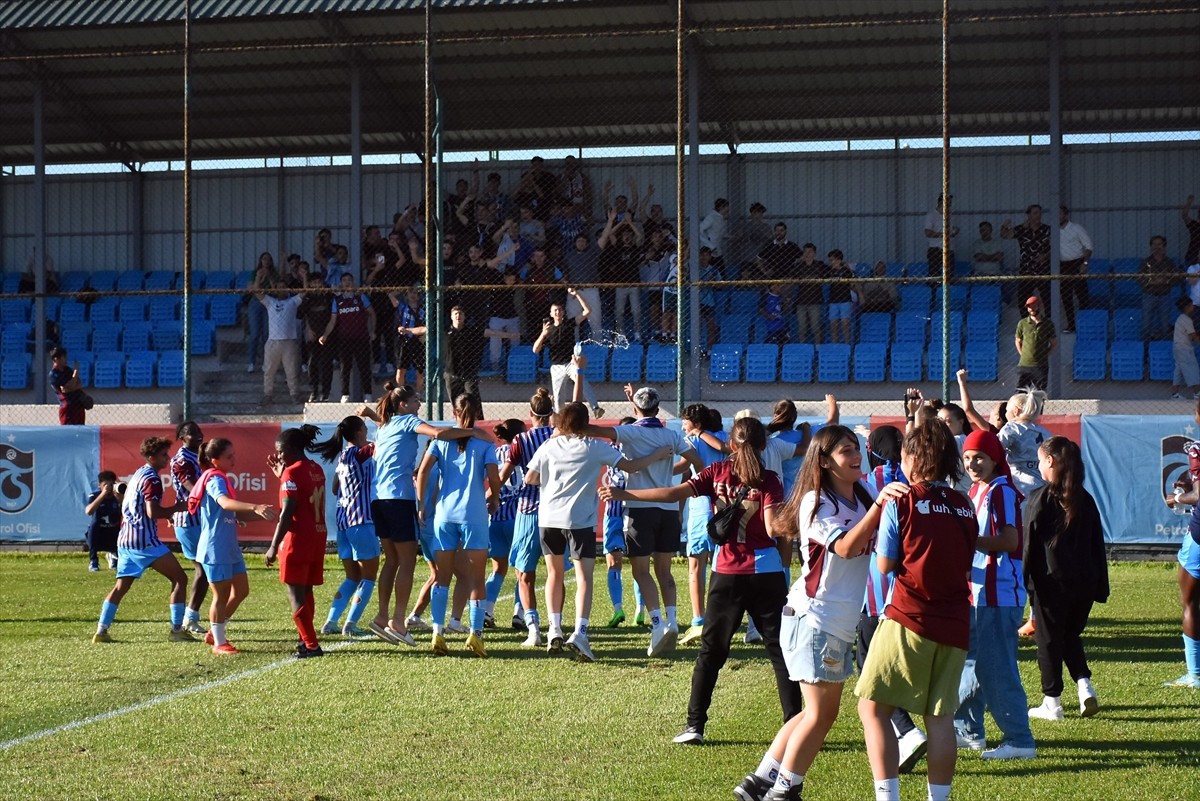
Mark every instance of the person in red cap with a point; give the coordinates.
(1035, 340)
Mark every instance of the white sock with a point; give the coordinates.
(457, 621)
(887, 789)
(768, 769)
(671, 620)
(581, 624)
(655, 618)
(788, 779)
(939, 792)
(437, 628)
(489, 607)
(556, 621)
(218, 633)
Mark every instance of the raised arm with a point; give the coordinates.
(585, 310)
(964, 396)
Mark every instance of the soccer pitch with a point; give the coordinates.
(143, 718)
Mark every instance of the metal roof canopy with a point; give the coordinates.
(272, 77)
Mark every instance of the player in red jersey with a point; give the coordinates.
(302, 515)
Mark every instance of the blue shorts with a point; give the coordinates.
(188, 537)
(133, 562)
(449, 536)
(614, 534)
(527, 543)
(699, 512)
(224, 571)
(395, 519)
(812, 655)
(425, 540)
(500, 537)
(839, 311)
(1189, 556)
(358, 543)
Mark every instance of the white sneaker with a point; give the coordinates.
(456, 627)
(554, 641)
(912, 748)
(578, 642)
(417, 623)
(1050, 709)
(969, 743)
(662, 640)
(1089, 704)
(1006, 751)
(345, 399)
(534, 640)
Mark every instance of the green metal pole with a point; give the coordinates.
(681, 249)
(431, 313)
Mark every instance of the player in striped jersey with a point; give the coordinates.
(614, 545)
(358, 547)
(500, 526)
(138, 547)
(526, 549)
(185, 469)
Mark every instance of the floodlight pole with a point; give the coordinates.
(946, 265)
(187, 211)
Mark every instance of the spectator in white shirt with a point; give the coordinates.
(712, 228)
(1074, 250)
(282, 348)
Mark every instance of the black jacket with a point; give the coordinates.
(1073, 564)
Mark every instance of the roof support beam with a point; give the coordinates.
(698, 69)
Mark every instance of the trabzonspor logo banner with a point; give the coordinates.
(16, 479)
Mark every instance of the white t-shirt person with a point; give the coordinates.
(641, 439)
(569, 469)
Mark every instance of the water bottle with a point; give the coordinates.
(1180, 508)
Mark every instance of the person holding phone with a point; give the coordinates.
(73, 402)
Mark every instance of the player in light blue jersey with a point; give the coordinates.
(358, 547)
(697, 419)
(469, 486)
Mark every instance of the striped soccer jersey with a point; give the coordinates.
(507, 510)
(355, 477)
(185, 466)
(139, 531)
(522, 450)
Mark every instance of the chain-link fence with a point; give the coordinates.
(248, 210)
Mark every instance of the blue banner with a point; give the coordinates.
(46, 475)
(1131, 463)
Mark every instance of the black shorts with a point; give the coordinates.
(410, 352)
(650, 530)
(555, 542)
(395, 519)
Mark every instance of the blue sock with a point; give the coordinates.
(476, 609)
(698, 621)
(1191, 655)
(616, 587)
(340, 599)
(361, 599)
(108, 611)
(637, 596)
(532, 619)
(492, 587)
(439, 597)
(177, 615)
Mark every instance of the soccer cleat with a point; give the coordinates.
(1049, 709)
(101, 636)
(195, 628)
(691, 735)
(1028, 629)
(417, 623)
(112, 562)
(662, 640)
(304, 652)
(456, 627)
(383, 632)
(693, 634)
(617, 619)
(912, 748)
(351, 630)
(405, 638)
(554, 642)
(969, 743)
(640, 617)
(438, 646)
(578, 642)
(208, 638)
(330, 627)
(224, 649)
(1187, 681)
(180, 635)
(1089, 704)
(94, 566)
(518, 623)
(489, 620)
(752, 788)
(534, 640)
(1007, 751)
(793, 793)
(475, 646)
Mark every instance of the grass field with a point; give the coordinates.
(376, 721)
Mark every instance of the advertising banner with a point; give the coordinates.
(46, 475)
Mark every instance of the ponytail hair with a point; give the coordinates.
(390, 403)
(508, 430)
(784, 418)
(1026, 405)
(465, 408)
(748, 439)
(295, 441)
(330, 448)
(212, 449)
(1067, 487)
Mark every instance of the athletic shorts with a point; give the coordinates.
(303, 572)
(907, 671)
(188, 537)
(526, 547)
(358, 543)
(224, 571)
(1189, 556)
(614, 534)
(449, 536)
(582, 542)
(500, 538)
(650, 530)
(133, 562)
(425, 541)
(395, 519)
(812, 655)
(699, 512)
(410, 352)
(839, 311)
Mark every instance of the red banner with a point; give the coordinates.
(1066, 425)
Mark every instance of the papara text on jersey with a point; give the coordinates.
(248, 482)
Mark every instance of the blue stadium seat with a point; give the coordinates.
(736, 327)
(1091, 325)
(915, 298)
(870, 362)
(895, 269)
(917, 269)
(625, 365)
(796, 363)
(108, 371)
(935, 328)
(132, 309)
(985, 297)
(15, 310)
(14, 338)
(223, 309)
(103, 310)
(204, 336)
(52, 305)
(134, 337)
(1089, 361)
(958, 298)
(103, 280)
(762, 363)
(597, 362)
(72, 280)
(906, 362)
(933, 366)
(139, 370)
(1162, 360)
(164, 308)
(1127, 325)
(106, 338)
(170, 368)
(910, 328)
(744, 301)
(10, 283)
(219, 279)
(725, 363)
(981, 360)
(660, 363)
(522, 366)
(982, 326)
(833, 363)
(14, 371)
(165, 279)
(199, 279)
(1128, 361)
(199, 308)
(74, 337)
(85, 360)
(131, 281)
(1099, 290)
(167, 335)
(242, 279)
(875, 327)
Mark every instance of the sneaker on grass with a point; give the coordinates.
(578, 643)
(752, 788)
(693, 634)
(1009, 751)
(691, 735)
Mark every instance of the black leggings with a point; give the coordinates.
(355, 352)
(1060, 624)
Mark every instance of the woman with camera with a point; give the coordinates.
(748, 572)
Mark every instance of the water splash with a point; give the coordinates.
(614, 340)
